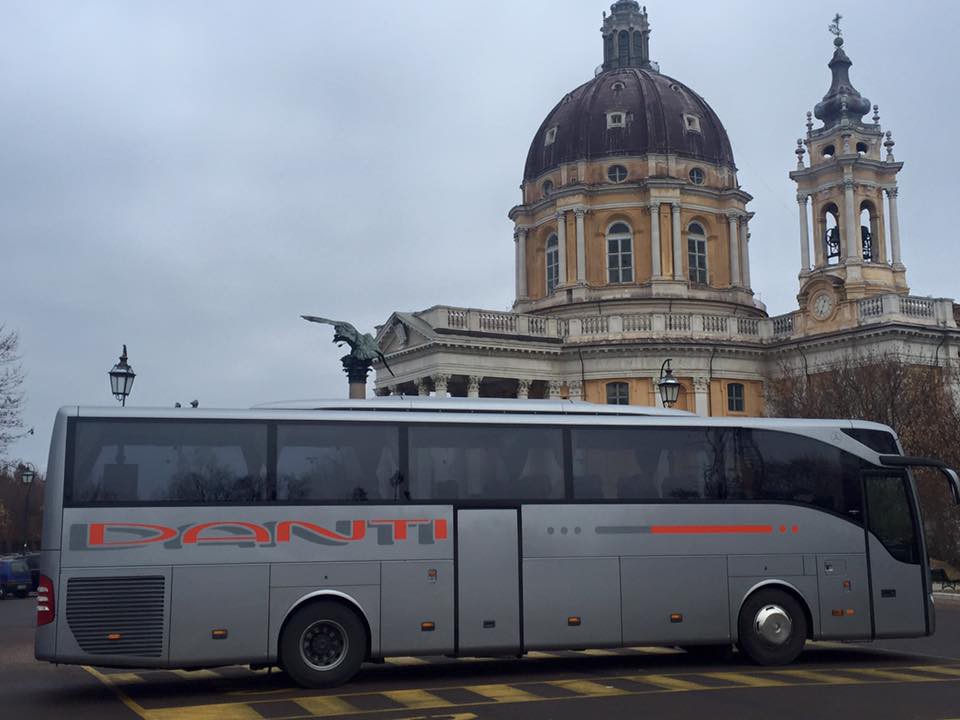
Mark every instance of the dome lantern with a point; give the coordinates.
(842, 101)
(626, 36)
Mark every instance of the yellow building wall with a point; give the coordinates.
(752, 398)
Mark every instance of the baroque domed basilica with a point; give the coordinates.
(632, 246)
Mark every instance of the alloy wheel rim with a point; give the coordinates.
(773, 625)
(324, 645)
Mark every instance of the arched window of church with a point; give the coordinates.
(553, 263)
(618, 393)
(697, 253)
(866, 232)
(831, 234)
(624, 48)
(619, 253)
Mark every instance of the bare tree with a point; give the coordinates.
(11, 397)
(917, 401)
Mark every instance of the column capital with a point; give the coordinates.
(848, 184)
(553, 388)
(580, 211)
(520, 230)
(892, 191)
(733, 215)
(473, 385)
(561, 214)
(654, 206)
(523, 388)
(675, 206)
(701, 384)
(802, 198)
(423, 387)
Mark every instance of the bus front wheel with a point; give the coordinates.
(772, 627)
(323, 645)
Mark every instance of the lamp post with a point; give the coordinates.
(27, 475)
(121, 379)
(668, 385)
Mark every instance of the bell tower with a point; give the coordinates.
(847, 197)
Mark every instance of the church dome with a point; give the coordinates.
(628, 111)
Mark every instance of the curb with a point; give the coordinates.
(942, 598)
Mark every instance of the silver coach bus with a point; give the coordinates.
(318, 536)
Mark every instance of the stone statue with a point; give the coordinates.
(363, 351)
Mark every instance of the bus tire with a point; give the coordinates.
(772, 627)
(323, 644)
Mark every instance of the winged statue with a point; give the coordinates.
(363, 346)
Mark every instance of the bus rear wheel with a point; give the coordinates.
(772, 627)
(323, 645)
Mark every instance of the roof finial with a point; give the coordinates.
(800, 152)
(876, 114)
(834, 28)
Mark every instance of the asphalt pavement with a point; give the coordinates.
(917, 678)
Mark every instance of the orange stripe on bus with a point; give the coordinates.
(710, 529)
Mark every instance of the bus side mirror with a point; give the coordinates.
(954, 483)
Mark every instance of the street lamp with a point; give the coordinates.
(27, 475)
(668, 385)
(121, 379)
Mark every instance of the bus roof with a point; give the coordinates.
(401, 403)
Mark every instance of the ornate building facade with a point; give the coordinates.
(632, 246)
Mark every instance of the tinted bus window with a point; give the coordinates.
(773, 466)
(342, 463)
(619, 463)
(157, 462)
(481, 463)
(890, 516)
(877, 440)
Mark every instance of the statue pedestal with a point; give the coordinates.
(357, 371)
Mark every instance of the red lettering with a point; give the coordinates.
(257, 533)
(358, 530)
(96, 534)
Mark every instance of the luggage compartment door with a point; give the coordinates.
(488, 581)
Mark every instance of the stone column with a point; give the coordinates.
(473, 386)
(854, 248)
(734, 250)
(521, 237)
(423, 387)
(819, 238)
(581, 247)
(677, 257)
(894, 226)
(804, 233)
(576, 389)
(745, 250)
(701, 396)
(440, 385)
(553, 389)
(655, 239)
(562, 247)
(523, 389)
(357, 371)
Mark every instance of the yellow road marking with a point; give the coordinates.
(744, 679)
(889, 675)
(655, 650)
(417, 699)
(599, 653)
(121, 696)
(587, 687)
(324, 705)
(668, 683)
(939, 669)
(406, 661)
(197, 674)
(818, 677)
(538, 654)
(503, 693)
(122, 678)
(225, 711)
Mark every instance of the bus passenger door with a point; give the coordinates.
(488, 581)
(894, 548)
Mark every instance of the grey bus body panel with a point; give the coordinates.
(898, 592)
(529, 576)
(488, 581)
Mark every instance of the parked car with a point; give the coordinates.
(14, 578)
(33, 562)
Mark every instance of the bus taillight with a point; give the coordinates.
(46, 610)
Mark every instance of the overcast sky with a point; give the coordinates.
(188, 178)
